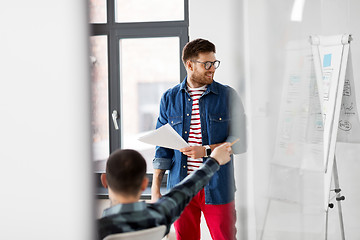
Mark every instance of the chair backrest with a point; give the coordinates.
(155, 233)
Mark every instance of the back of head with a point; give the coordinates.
(193, 48)
(125, 171)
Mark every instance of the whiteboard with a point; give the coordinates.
(296, 176)
(299, 138)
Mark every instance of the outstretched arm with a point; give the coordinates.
(173, 203)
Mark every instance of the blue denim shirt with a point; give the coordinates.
(222, 120)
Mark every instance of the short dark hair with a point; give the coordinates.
(193, 48)
(125, 171)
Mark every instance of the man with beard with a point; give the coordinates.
(206, 114)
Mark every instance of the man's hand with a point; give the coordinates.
(222, 153)
(194, 151)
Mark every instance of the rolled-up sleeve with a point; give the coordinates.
(162, 163)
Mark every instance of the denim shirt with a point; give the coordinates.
(222, 120)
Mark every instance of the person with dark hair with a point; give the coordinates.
(125, 179)
(206, 114)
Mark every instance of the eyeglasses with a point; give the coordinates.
(208, 64)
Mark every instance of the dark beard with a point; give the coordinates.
(200, 79)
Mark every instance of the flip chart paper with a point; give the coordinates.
(299, 138)
(349, 125)
(165, 136)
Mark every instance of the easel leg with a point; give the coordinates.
(265, 220)
(339, 198)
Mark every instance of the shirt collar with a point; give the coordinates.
(213, 87)
(124, 208)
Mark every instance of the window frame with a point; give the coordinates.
(115, 32)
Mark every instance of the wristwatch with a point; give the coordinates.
(207, 151)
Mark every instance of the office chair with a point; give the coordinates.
(155, 233)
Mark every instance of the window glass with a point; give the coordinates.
(149, 66)
(149, 11)
(99, 76)
(97, 11)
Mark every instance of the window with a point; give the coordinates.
(149, 66)
(135, 57)
(100, 104)
(97, 11)
(149, 11)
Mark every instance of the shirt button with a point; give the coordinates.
(220, 119)
(187, 114)
(185, 132)
(172, 121)
(184, 166)
(189, 99)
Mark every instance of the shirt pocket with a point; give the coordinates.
(176, 123)
(219, 127)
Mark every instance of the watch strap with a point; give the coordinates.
(207, 150)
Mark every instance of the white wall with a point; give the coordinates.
(219, 23)
(251, 37)
(46, 179)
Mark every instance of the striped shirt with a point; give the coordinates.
(195, 138)
(140, 215)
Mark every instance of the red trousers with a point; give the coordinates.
(220, 220)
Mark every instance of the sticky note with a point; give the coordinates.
(327, 60)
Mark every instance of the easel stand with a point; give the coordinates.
(338, 197)
(332, 68)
